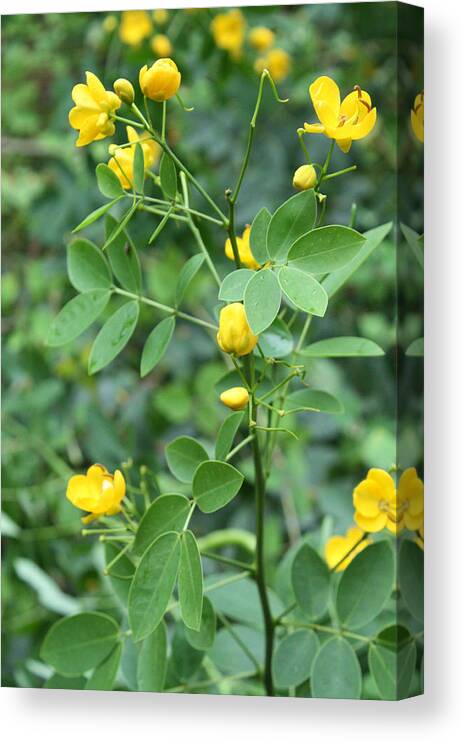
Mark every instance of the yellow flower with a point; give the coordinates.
(98, 492)
(337, 547)
(235, 335)
(344, 122)
(161, 45)
(135, 26)
(379, 505)
(228, 31)
(122, 158)
(304, 178)
(261, 38)
(109, 23)
(235, 398)
(124, 90)
(160, 16)
(245, 253)
(417, 117)
(160, 81)
(277, 62)
(91, 115)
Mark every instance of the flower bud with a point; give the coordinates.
(161, 45)
(235, 398)
(124, 90)
(261, 38)
(160, 81)
(304, 178)
(235, 335)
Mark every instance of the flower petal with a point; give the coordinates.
(371, 525)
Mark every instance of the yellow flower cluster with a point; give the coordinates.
(234, 334)
(136, 25)
(379, 504)
(122, 158)
(98, 492)
(228, 31)
(344, 122)
(245, 253)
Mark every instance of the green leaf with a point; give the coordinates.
(190, 582)
(113, 336)
(166, 513)
(392, 665)
(183, 456)
(416, 348)
(187, 274)
(152, 660)
(336, 671)
(227, 433)
(48, 592)
(415, 242)
(168, 177)
(185, 660)
(374, 237)
(234, 285)
(342, 347)
(153, 585)
(121, 574)
(411, 578)
(293, 658)
(120, 225)
(76, 644)
(139, 169)
(108, 182)
(276, 341)
(123, 257)
(262, 299)
(366, 585)
(310, 581)
(156, 345)
(215, 484)
(104, 675)
(87, 268)
(240, 600)
(203, 638)
(76, 316)
(293, 219)
(61, 682)
(303, 290)
(94, 215)
(312, 400)
(228, 653)
(258, 236)
(325, 249)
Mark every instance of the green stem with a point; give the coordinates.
(241, 445)
(196, 232)
(163, 121)
(325, 167)
(327, 630)
(339, 172)
(129, 121)
(181, 207)
(226, 560)
(164, 308)
(232, 230)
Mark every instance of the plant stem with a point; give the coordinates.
(232, 230)
(239, 447)
(196, 232)
(226, 560)
(339, 172)
(165, 308)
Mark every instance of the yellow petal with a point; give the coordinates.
(314, 128)
(370, 525)
(324, 89)
(344, 144)
(96, 88)
(80, 494)
(358, 131)
(413, 522)
(366, 497)
(395, 526)
(82, 97)
(328, 117)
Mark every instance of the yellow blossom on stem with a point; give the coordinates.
(245, 253)
(160, 81)
(417, 117)
(98, 492)
(340, 550)
(344, 122)
(92, 114)
(305, 177)
(161, 45)
(236, 398)
(234, 335)
(228, 31)
(261, 38)
(379, 505)
(135, 26)
(122, 158)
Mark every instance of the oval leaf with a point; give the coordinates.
(168, 177)
(310, 582)
(183, 456)
(411, 580)
(123, 257)
(336, 671)
(303, 290)
(156, 345)
(94, 215)
(190, 583)
(293, 658)
(113, 336)
(203, 638)
(153, 585)
(187, 274)
(167, 513)
(108, 182)
(76, 316)
(366, 585)
(262, 299)
(342, 347)
(139, 169)
(312, 400)
(233, 286)
(293, 219)
(87, 267)
(215, 484)
(325, 249)
(104, 675)
(392, 667)
(277, 341)
(227, 433)
(258, 236)
(151, 663)
(76, 644)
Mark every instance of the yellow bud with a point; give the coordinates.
(161, 45)
(235, 398)
(124, 90)
(304, 178)
(261, 38)
(235, 335)
(160, 81)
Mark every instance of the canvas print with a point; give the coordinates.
(212, 299)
